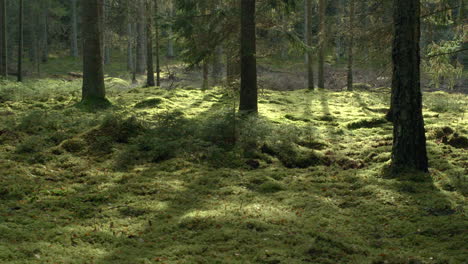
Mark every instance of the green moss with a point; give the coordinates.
(366, 123)
(149, 103)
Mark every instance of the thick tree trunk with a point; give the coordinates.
(322, 40)
(248, 93)
(409, 141)
(149, 47)
(74, 32)
(20, 42)
(3, 40)
(350, 45)
(309, 54)
(93, 90)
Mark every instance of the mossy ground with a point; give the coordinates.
(64, 201)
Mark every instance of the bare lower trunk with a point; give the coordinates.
(309, 54)
(322, 40)
(350, 46)
(74, 28)
(3, 40)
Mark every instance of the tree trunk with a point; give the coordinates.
(309, 54)
(93, 89)
(129, 47)
(3, 40)
(149, 47)
(248, 92)
(45, 35)
(20, 42)
(217, 69)
(322, 40)
(205, 74)
(350, 45)
(74, 28)
(170, 41)
(158, 39)
(105, 39)
(141, 30)
(409, 141)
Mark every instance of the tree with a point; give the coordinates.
(322, 40)
(20, 42)
(308, 33)
(350, 45)
(157, 40)
(141, 38)
(74, 30)
(93, 89)
(3, 40)
(409, 140)
(248, 91)
(149, 47)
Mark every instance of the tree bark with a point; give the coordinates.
(141, 36)
(350, 45)
(309, 54)
(409, 141)
(45, 35)
(93, 89)
(170, 41)
(322, 40)
(248, 92)
(3, 40)
(158, 40)
(74, 28)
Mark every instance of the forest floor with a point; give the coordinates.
(172, 176)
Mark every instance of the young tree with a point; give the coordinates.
(350, 45)
(20, 42)
(248, 92)
(409, 140)
(308, 33)
(93, 90)
(322, 40)
(3, 40)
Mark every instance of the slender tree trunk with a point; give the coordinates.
(158, 40)
(248, 93)
(309, 54)
(322, 41)
(409, 141)
(205, 74)
(351, 45)
(170, 41)
(74, 28)
(93, 90)
(45, 35)
(141, 30)
(105, 38)
(149, 47)
(217, 65)
(3, 40)
(129, 47)
(20, 42)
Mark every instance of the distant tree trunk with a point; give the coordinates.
(248, 92)
(149, 47)
(322, 40)
(93, 90)
(158, 40)
(217, 64)
(170, 41)
(409, 141)
(74, 28)
(3, 40)
(45, 34)
(351, 45)
(205, 69)
(105, 38)
(129, 47)
(20, 42)
(308, 33)
(141, 30)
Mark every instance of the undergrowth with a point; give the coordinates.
(174, 176)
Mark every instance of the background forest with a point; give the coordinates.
(236, 131)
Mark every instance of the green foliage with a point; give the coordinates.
(440, 67)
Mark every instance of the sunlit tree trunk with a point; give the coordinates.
(248, 93)
(409, 141)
